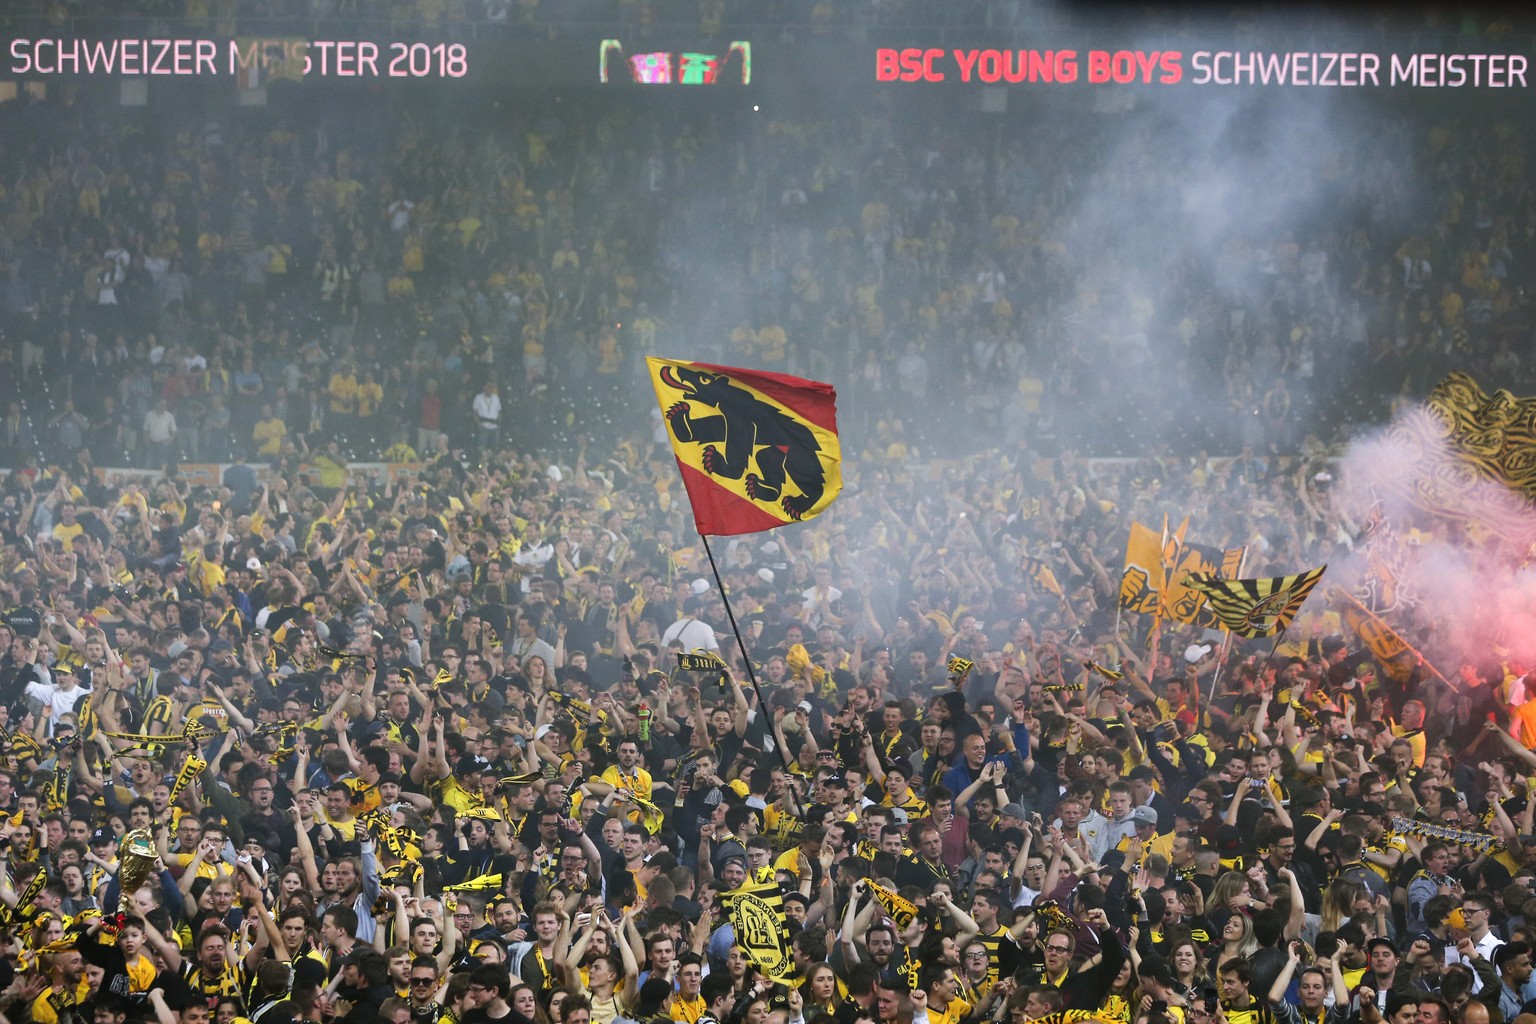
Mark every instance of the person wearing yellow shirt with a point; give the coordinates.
(773, 345)
(141, 970)
(337, 812)
(805, 855)
(370, 396)
(400, 451)
(1145, 836)
(331, 466)
(67, 529)
(205, 860)
(895, 780)
(627, 773)
(687, 1004)
(269, 433)
(68, 986)
(940, 989)
(343, 392)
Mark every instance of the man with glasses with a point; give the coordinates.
(1203, 802)
(1281, 859)
(488, 988)
(463, 913)
(1477, 910)
(577, 873)
(976, 972)
(1059, 946)
(1433, 880)
(263, 816)
(425, 1009)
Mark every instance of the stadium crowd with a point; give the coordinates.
(446, 766)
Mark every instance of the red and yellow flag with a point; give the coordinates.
(756, 450)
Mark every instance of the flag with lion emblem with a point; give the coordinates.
(756, 450)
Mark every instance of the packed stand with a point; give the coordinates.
(447, 766)
(229, 283)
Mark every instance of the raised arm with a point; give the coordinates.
(170, 954)
(630, 993)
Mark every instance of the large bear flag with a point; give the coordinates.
(756, 450)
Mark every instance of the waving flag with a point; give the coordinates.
(762, 929)
(1144, 578)
(1158, 568)
(1260, 607)
(1184, 603)
(1473, 458)
(756, 450)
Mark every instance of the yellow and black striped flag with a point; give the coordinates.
(480, 883)
(1255, 608)
(901, 909)
(574, 705)
(1035, 570)
(190, 770)
(762, 930)
(1113, 675)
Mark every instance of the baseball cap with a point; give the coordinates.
(266, 840)
(1015, 810)
(900, 815)
(470, 765)
(103, 836)
(1144, 816)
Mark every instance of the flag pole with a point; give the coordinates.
(1346, 595)
(745, 658)
(1226, 639)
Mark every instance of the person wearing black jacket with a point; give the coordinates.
(488, 989)
(475, 855)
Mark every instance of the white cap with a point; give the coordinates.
(1194, 652)
(253, 563)
(553, 472)
(766, 575)
(698, 586)
(769, 548)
